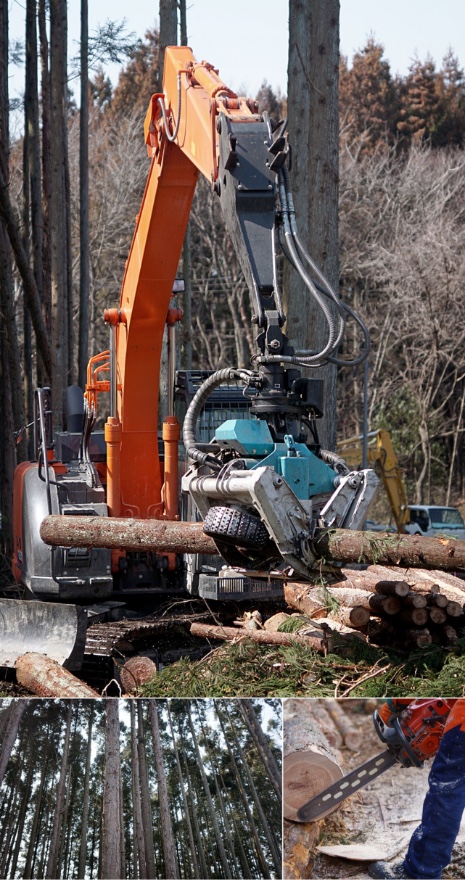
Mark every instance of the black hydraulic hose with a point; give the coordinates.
(351, 313)
(196, 405)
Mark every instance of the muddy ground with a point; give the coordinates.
(383, 815)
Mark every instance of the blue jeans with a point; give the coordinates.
(431, 844)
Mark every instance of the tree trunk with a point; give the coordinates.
(193, 853)
(262, 744)
(59, 220)
(111, 833)
(85, 797)
(137, 807)
(211, 808)
(314, 135)
(147, 822)
(15, 713)
(52, 866)
(84, 258)
(169, 852)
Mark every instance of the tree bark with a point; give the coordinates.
(85, 798)
(388, 549)
(84, 258)
(310, 764)
(59, 219)
(147, 821)
(262, 744)
(224, 633)
(52, 867)
(15, 713)
(314, 134)
(134, 534)
(111, 832)
(169, 851)
(46, 678)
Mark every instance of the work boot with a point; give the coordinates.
(384, 869)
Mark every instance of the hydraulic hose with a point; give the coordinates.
(196, 405)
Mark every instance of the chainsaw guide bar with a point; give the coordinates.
(348, 785)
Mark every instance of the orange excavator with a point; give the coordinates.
(262, 483)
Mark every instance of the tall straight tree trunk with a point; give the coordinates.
(84, 261)
(16, 711)
(262, 744)
(52, 867)
(145, 795)
(253, 791)
(195, 821)
(206, 787)
(85, 798)
(169, 852)
(27, 873)
(59, 201)
(136, 801)
(46, 286)
(111, 833)
(314, 135)
(193, 853)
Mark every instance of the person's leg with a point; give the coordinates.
(431, 844)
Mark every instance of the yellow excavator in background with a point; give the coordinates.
(382, 457)
(427, 520)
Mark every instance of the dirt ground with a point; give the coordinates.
(383, 815)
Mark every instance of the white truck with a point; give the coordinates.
(433, 520)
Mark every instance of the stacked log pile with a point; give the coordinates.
(405, 607)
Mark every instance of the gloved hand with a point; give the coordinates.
(391, 709)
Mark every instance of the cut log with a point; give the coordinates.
(385, 604)
(351, 736)
(310, 763)
(415, 600)
(454, 609)
(318, 640)
(418, 637)
(417, 616)
(46, 678)
(129, 534)
(437, 615)
(386, 548)
(392, 588)
(137, 671)
(356, 617)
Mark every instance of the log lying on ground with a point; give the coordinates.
(46, 678)
(318, 640)
(129, 534)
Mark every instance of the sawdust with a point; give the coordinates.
(381, 816)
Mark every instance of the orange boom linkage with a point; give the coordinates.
(262, 483)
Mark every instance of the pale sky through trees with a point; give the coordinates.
(248, 41)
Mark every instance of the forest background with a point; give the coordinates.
(140, 788)
(401, 233)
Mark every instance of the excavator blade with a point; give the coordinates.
(58, 631)
(343, 788)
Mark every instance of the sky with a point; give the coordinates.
(248, 39)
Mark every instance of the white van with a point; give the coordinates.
(432, 521)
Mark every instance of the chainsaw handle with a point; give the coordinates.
(396, 741)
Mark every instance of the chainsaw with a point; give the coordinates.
(412, 739)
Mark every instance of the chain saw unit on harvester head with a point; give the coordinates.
(262, 483)
(412, 739)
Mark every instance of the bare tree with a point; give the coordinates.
(313, 131)
(111, 833)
